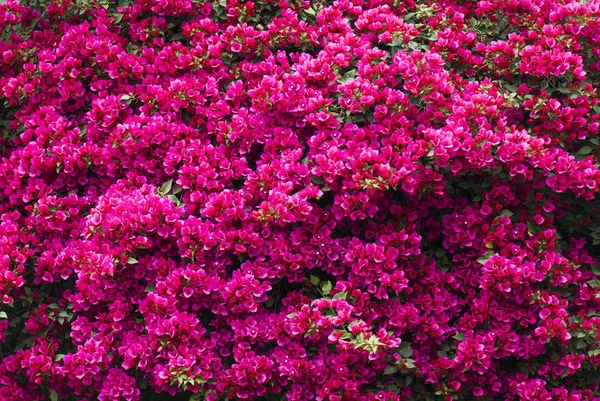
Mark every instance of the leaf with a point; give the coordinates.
(340, 295)
(351, 74)
(594, 352)
(150, 288)
(131, 261)
(390, 370)
(459, 336)
(118, 18)
(53, 396)
(596, 269)
(406, 352)
(317, 180)
(126, 98)
(315, 280)
(195, 397)
(325, 188)
(506, 212)
(3, 315)
(166, 187)
(585, 150)
(532, 227)
(327, 286)
(483, 260)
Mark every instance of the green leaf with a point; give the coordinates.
(532, 227)
(126, 98)
(596, 269)
(315, 280)
(166, 187)
(327, 286)
(131, 261)
(317, 180)
(195, 397)
(506, 212)
(3, 315)
(459, 336)
(390, 370)
(406, 352)
(340, 295)
(483, 260)
(150, 288)
(594, 352)
(53, 396)
(325, 188)
(118, 18)
(585, 150)
(174, 199)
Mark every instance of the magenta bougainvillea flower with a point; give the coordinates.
(342, 200)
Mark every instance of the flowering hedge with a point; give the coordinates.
(347, 200)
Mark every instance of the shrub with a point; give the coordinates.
(347, 200)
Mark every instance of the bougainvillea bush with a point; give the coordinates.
(350, 200)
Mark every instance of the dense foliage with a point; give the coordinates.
(261, 200)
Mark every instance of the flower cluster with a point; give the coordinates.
(343, 200)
